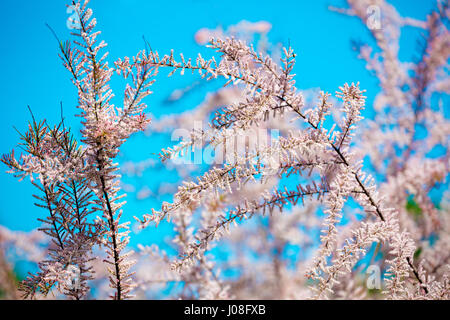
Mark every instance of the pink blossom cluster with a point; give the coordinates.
(300, 217)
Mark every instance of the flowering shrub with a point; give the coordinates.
(302, 213)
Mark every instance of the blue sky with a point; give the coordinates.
(33, 75)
